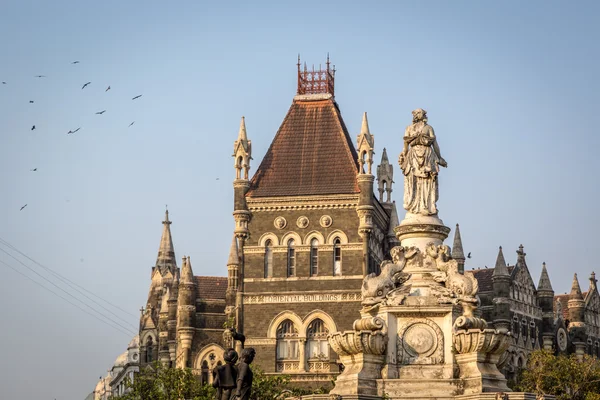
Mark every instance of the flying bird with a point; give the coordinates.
(137, 97)
(33, 128)
(31, 101)
(23, 207)
(75, 62)
(107, 89)
(131, 124)
(73, 131)
(35, 169)
(101, 112)
(83, 87)
(40, 76)
(469, 255)
(4, 83)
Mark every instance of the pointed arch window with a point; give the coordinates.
(337, 257)
(291, 258)
(268, 259)
(316, 343)
(314, 257)
(149, 349)
(287, 341)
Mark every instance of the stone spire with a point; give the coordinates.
(501, 286)
(166, 254)
(242, 151)
(575, 290)
(366, 143)
(577, 318)
(457, 250)
(186, 314)
(187, 276)
(394, 222)
(233, 264)
(544, 283)
(545, 295)
(593, 281)
(385, 175)
(500, 269)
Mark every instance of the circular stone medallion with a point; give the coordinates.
(420, 340)
(302, 222)
(280, 222)
(561, 339)
(326, 221)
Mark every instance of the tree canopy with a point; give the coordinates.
(566, 377)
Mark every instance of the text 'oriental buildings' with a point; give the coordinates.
(310, 224)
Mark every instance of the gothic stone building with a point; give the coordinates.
(308, 228)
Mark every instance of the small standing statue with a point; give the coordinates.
(420, 160)
(225, 376)
(245, 376)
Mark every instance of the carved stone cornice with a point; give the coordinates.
(421, 230)
(302, 203)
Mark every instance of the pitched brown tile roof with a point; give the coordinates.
(311, 153)
(484, 278)
(211, 287)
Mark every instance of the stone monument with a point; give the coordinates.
(419, 336)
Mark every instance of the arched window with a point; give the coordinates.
(287, 341)
(314, 257)
(149, 349)
(337, 257)
(291, 258)
(316, 343)
(204, 373)
(268, 259)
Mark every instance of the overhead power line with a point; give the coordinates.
(68, 294)
(65, 299)
(66, 280)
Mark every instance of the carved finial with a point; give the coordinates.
(385, 175)
(593, 280)
(365, 142)
(242, 151)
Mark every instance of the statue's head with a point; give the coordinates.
(230, 356)
(419, 115)
(248, 355)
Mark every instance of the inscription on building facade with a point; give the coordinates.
(301, 298)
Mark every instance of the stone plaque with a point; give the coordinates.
(420, 341)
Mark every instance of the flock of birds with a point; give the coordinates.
(76, 130)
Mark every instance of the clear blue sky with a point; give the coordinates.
(511, 89)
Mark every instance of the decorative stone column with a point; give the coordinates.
(362, 351)
(302, 354)
(479, 351)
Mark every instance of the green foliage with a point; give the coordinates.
(160, 383)
(563, 376)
